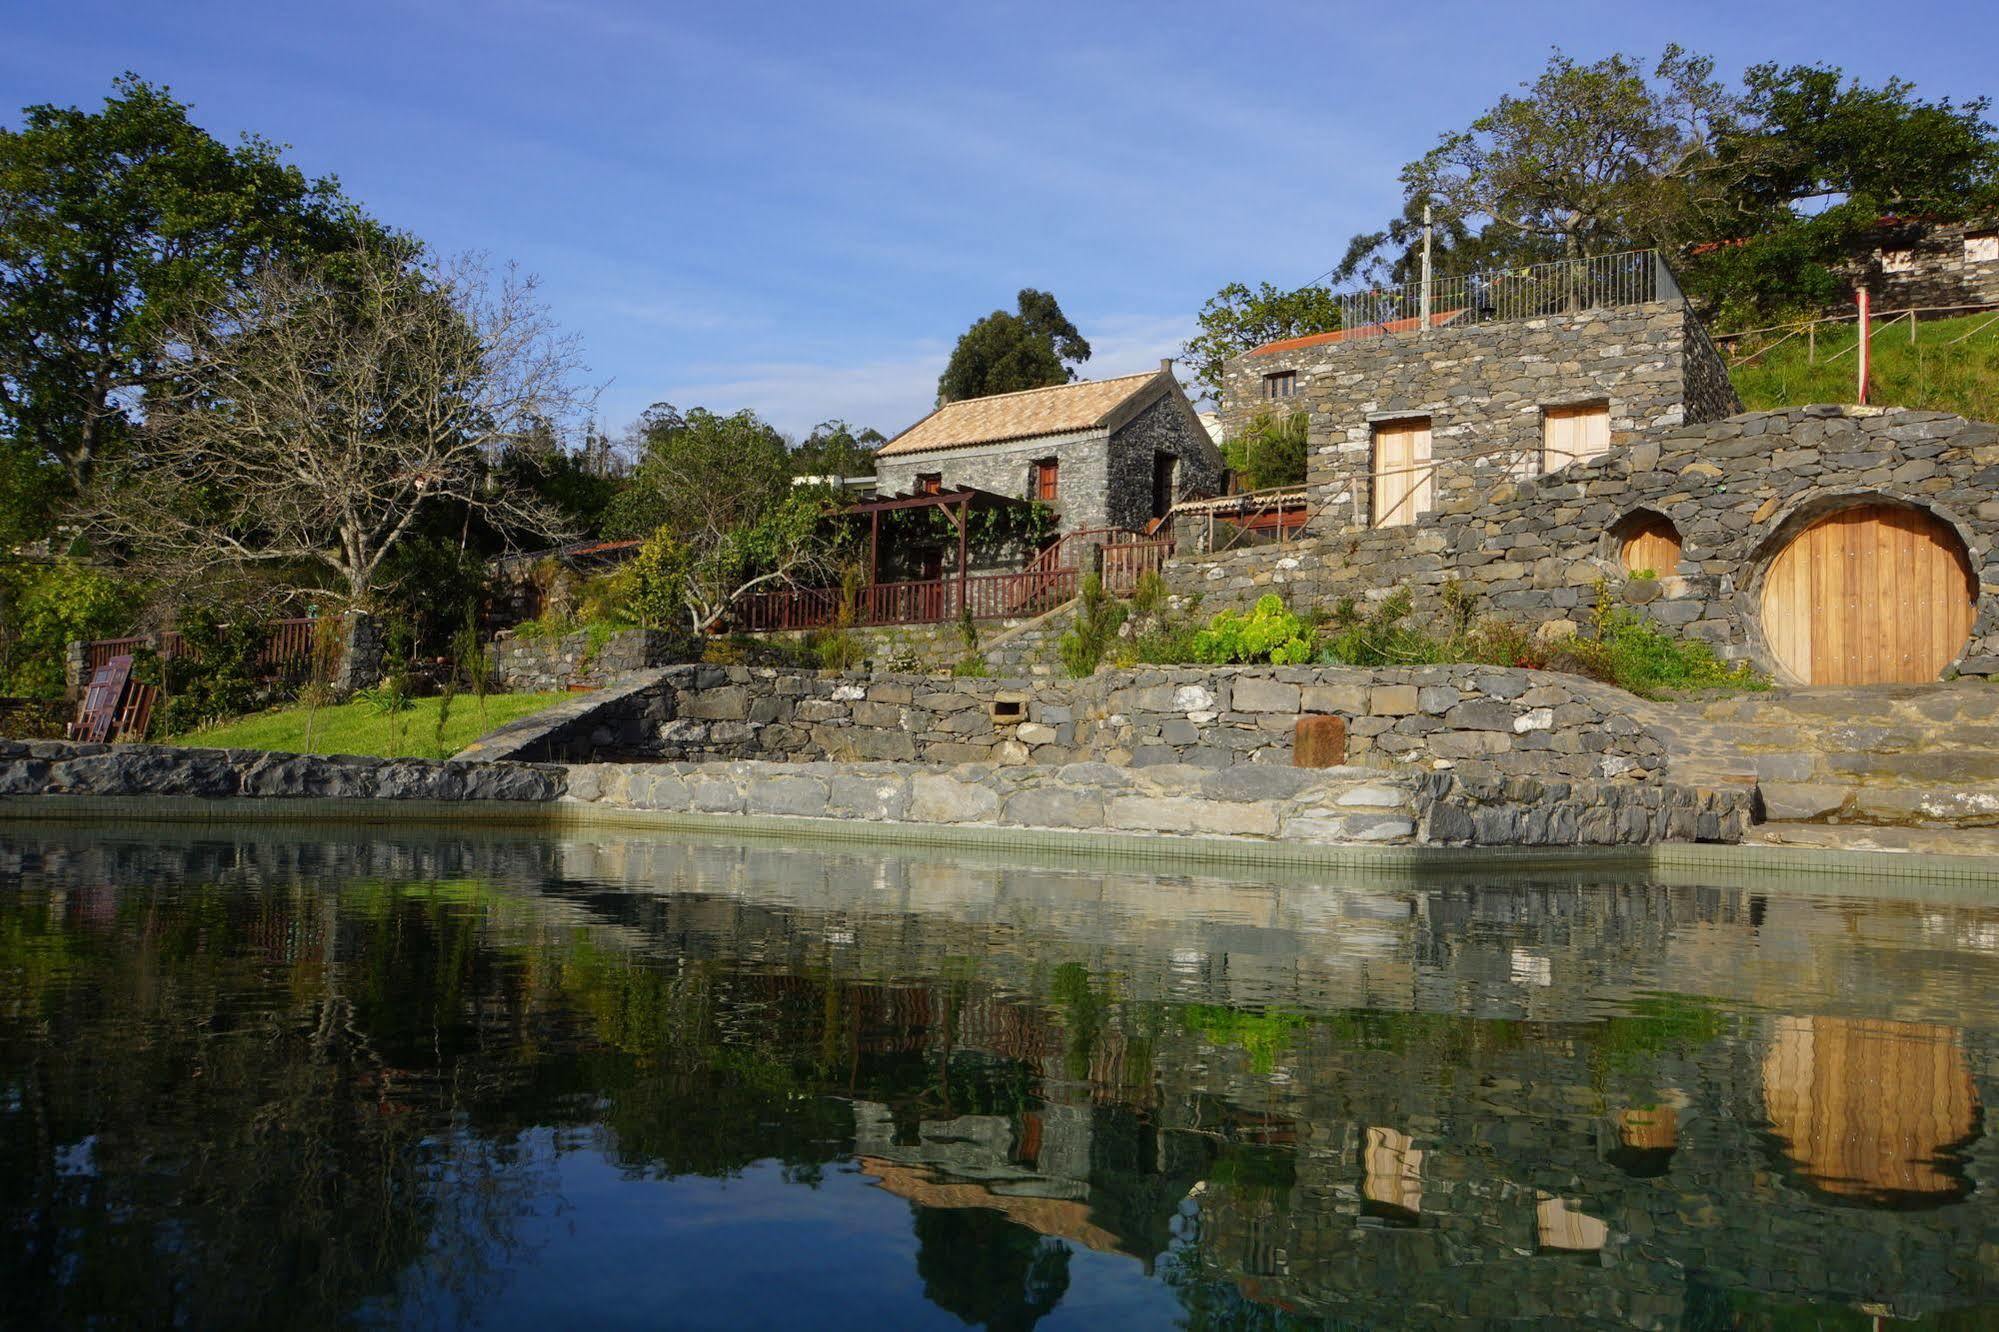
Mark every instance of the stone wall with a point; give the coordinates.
(1535, 549)
(1349, 806)
(61, 767)
(1507, 721)
(1939, 271)
(1484, 388)
(535, 665)
(1168, 426)
(1082, 480)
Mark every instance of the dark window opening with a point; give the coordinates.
(929, 483)
(1280, 385)
(1165, 469)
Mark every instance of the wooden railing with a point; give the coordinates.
(1129, 561)
(287, 647)
(930, 601)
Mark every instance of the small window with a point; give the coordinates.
(1898, 261)
(929, 483)
(1045, 482)
(1573, 433)
(1402, 487)
(1280, 385)
(1982, 248)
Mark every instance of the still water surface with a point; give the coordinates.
(306, 1078)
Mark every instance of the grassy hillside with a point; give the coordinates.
(357, 728)
(1936, 373)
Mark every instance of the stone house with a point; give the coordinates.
(1919, 264)
(1538, 464)
(1403, 422)
(1106, 453)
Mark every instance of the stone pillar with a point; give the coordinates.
(360, 653)
(75, 669)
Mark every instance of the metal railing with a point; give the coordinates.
(1568, 286)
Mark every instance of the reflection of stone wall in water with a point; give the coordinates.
(1872, 1111)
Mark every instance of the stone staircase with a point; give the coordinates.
(1909, 756)
(1028, 651)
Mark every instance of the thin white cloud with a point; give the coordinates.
(893, 392)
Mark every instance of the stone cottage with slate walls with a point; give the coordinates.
(1107, 451)
(1745, 523)
(1490, 398)
(1913, 263)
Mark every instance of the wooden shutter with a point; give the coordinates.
(1652, 543)
(1402, 482)
(1573, 434)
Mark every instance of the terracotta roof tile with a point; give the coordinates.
(1059, 410)
(1437, 320)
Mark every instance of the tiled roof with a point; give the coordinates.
(1024, 415)
(1438, 319)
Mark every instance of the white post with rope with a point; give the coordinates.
(1860, 302)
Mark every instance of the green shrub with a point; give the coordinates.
(1268, 633)
(837, 650)
(1098, 618)
(1269, 452)
(1636, 654)
(971, 668)
(44, 608)
(1148, 594)
(220, 676)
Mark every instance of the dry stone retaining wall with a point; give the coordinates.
(1332, 805)
(536, 665)
(1536, 549)
(1512, 721)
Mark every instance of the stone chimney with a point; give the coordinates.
(1166, 365)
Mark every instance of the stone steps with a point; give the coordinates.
(1893, 756)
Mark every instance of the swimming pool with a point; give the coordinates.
(285, 1076)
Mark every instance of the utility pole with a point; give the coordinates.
(1425, 299)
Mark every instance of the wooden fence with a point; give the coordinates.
(287, 650)
(930, 601)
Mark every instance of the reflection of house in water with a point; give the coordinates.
(1872, 1111)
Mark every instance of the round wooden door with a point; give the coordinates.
(1872, 594)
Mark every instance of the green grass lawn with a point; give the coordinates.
(1935, 373)
(357, 728)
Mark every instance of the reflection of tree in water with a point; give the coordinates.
(194, 1143)
(988, 1271)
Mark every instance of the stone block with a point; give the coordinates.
(1319, 742)
(1800, 802)
(1249, 694)
(1055, 807)
(1184, 814)
(1393, 700)
(946, 799)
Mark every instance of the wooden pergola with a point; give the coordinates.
(957, 505)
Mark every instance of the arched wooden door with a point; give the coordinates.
(1872, 594)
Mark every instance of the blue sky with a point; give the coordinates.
(797, 208)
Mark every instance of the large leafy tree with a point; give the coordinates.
(1033, 347)
(836, 449)
(113, 224)
(1760, 188)
(1237, 318)
(714, 498)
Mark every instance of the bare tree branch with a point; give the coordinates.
(310, 419)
